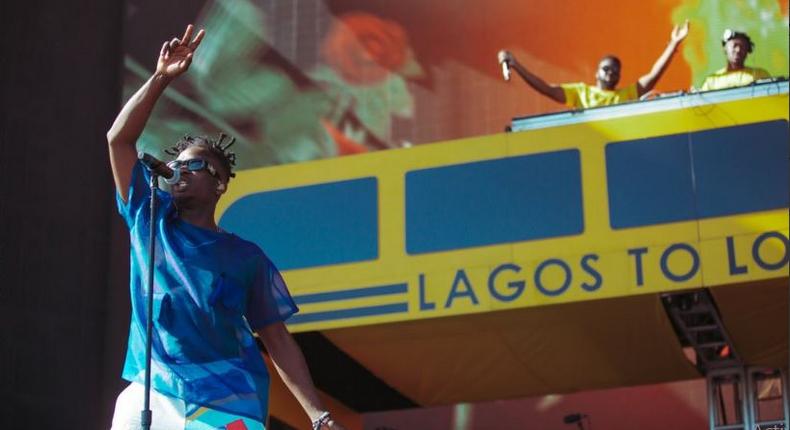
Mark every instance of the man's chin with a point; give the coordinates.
(188, 200)
(183, 198)
(607, 84)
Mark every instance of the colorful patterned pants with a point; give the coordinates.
(169, 414)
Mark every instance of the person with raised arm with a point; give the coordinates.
(604, 92)
(212, 288)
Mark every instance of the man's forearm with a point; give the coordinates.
(539, 84)
(290, 364)
(648, 81)
(135, 113)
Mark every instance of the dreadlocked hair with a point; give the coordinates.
(218, 148)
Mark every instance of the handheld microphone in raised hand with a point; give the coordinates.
(506, 70)
(159, 168)
(573, 418)
(505, 63)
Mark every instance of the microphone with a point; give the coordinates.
(503, 58)
(159, 168)
(573, 418)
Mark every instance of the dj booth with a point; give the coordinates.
(663, 102)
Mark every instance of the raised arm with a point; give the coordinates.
(551, 91)
(291, 366)
(648, 82)
(174, 59)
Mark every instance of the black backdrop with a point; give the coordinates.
(63, 251)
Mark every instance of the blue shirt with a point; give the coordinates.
(210, 289)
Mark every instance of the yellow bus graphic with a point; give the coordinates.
(677, 193)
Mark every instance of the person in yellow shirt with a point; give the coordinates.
(737, 46)
(605, 91)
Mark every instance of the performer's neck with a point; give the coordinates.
(199, 217)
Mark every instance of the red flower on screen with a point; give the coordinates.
(363, 48)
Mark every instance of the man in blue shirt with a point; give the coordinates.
(211, 287)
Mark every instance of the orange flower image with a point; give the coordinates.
(363, 48)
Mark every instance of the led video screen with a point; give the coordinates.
(300, 80)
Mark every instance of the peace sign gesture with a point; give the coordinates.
(176, 55)
(680, 32)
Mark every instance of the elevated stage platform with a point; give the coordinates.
(532, 262)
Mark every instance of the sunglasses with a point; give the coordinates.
(608, 68)
(193, 165)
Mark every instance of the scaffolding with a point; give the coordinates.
(740, 397)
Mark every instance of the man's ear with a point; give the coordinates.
(221, 187)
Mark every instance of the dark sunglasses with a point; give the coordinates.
(193, 165)
(608, 68)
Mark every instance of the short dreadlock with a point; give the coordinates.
(218, 148)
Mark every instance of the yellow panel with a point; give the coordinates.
(747, 223)
(522, 352)
(755, 314)
(609, 262)
(747, 257)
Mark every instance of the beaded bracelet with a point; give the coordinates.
(321, 421)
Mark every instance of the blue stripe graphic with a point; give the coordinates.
(527, 197)
(349, 313)
(698, 175)
(381, 290)
(650, 181)
(741, 169)
(310, 226)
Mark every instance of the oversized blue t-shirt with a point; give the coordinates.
(210, 288)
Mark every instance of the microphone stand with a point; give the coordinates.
(145, 414)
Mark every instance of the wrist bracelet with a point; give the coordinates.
(322, 420)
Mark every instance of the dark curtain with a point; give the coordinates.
(63, 288)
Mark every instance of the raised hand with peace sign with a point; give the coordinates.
(176, 55)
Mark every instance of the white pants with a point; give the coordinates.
(169, 413)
